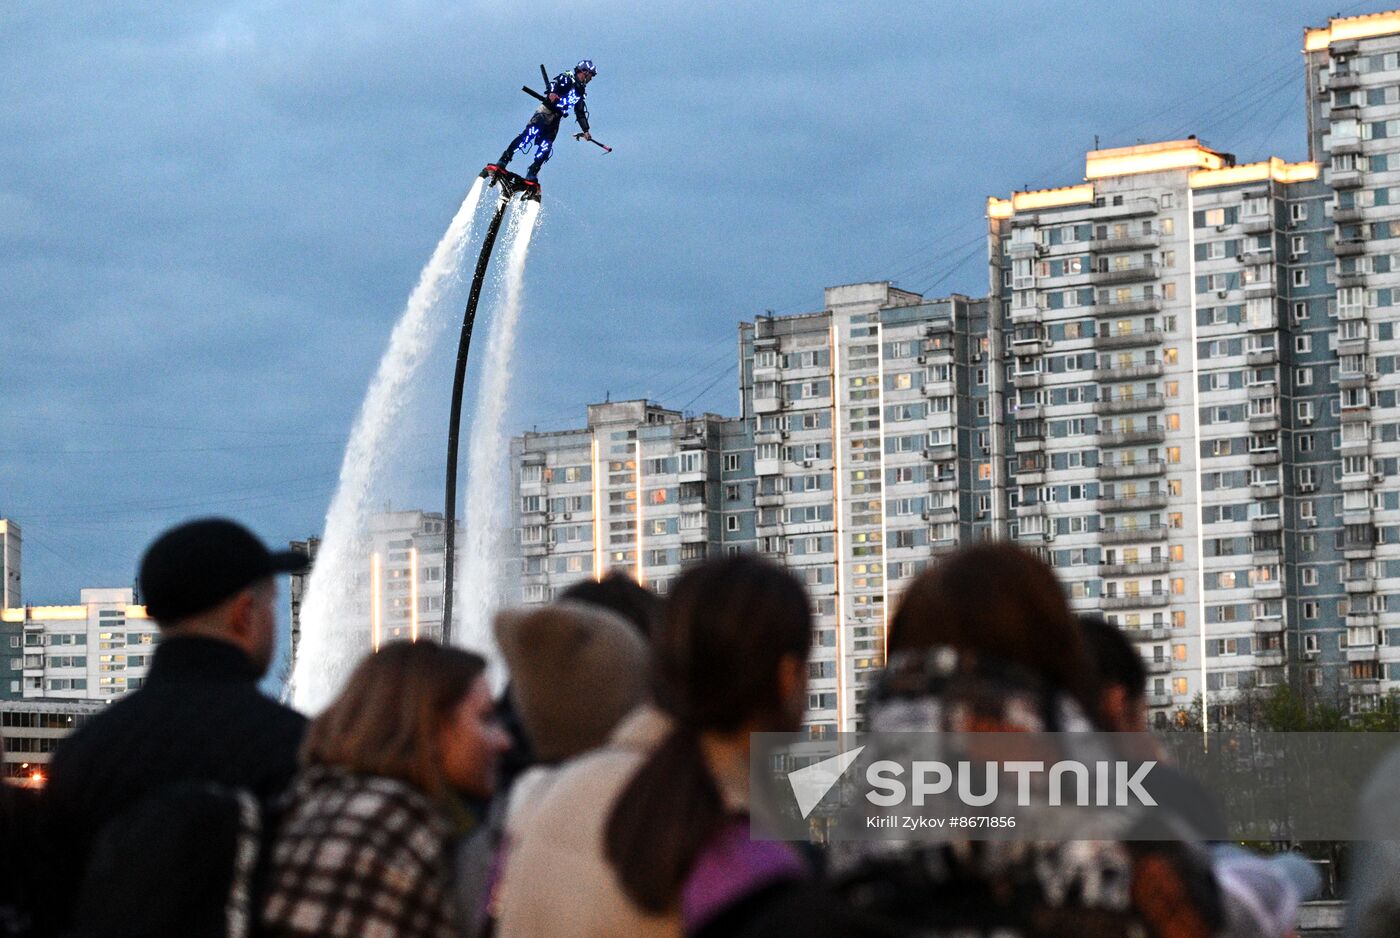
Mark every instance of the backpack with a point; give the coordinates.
(181, 861)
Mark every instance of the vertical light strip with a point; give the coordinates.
(1200, 492)
(637, 496)
(597, 512)
(884, 506)
(836, 482)
(374, 600)
(413, 594)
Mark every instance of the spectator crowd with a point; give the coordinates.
(606, 791)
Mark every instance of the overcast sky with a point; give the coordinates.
(211, 213)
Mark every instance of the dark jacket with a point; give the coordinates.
(19, 838)
(199, 717)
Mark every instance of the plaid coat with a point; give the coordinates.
(361, 857)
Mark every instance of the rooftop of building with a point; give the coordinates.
(1206, 168)
(1345, 28)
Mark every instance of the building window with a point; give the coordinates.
(732, 462)
(731, 523)
(1300, 277)
(1298, 211)
(1302, 343)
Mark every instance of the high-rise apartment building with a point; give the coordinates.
(864, 444)
(639, 488)
(10, 555)
(98, 649)
(1177, 391)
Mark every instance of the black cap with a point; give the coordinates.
(199, 564)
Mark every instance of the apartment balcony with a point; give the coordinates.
(1265, 457)
(1367, 687)
(767, 405)
(1135, 470)
(1363, 653)
(1130, 340)
(1140, 601)
(1261, 357)
(1133, 437)
(1353, 379)
(1129, 209)
(940, 389)
(1260, 390)
(1134, 535)
(1031, 410)
(941, 453)
(1341, 146)
(1032, 380)
(1133, 569)
(1038, 510)
(1129, 373)
(1158, 665)
(1358, 515)
(538, 549)
(771, 500)
(1265, 525)
(941, 513)
(1266, 556)
(1021, 249)
(1261, 423)
(1349, 248)
(1350, 278)
(1268, 626)
(1030, 476)
(1147, 634)
(1268, 589)
(1133, 274)
(1029, 346)
(1361, 620)
(1150, 502)
(1257, 224)
(1344, 81)
(943, 485)
(1159, 700)
(1130, 243)
(1360, 414)
(1268, 657)
(695, 535)
(1032, 444)
(1129, 405)
(1359, 585)
(1344, 178)
(1358, 482)
(1265, 490)
(1128, 308)
(1259, 289)
(1352, 344)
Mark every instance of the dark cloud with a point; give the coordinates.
(210, 213)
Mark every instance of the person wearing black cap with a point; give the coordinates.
(199, 717)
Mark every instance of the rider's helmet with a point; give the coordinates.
(586, 65)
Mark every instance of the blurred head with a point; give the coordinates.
(414, 711)
(1120, 675)
(619, 593)
(575, 672)
(729, 659)
(999, 601)
(731, 653)
(213, 578)
(584, 71)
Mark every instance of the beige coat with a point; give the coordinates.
(556, 880)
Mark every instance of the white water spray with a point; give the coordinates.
(328, 647)
(482, 563)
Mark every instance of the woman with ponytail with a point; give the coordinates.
(631, 839)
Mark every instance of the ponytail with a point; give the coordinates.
(660, 822)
